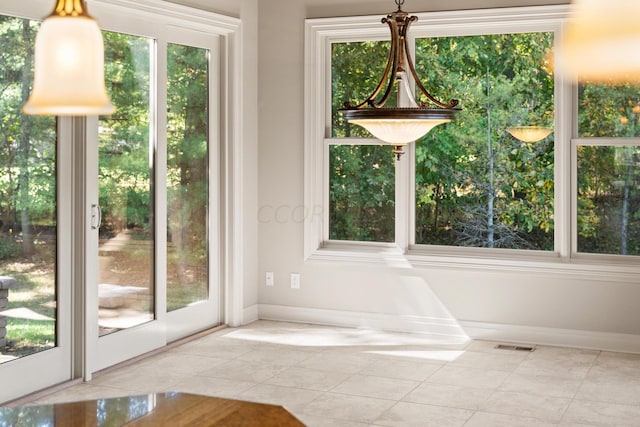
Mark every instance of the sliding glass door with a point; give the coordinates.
(34, 254)
(192, 269)
(126, 284)
(125, 174)
(157, 182)
(109, 226)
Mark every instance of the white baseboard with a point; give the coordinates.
(453, 329)
(595, 340)
(250, 314)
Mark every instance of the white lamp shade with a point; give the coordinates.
(398, 131)
(602, 41)
(69, 69)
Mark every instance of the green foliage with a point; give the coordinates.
(608, 176)
(9, 248)
(353, 78)
(187, 178)
(608, 110)
(362, 193)
(124, 146)
(27, 144)
(609, 199)
(491, 190)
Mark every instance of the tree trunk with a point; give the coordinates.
(491, 190)
(9, 211)
(624, 226)
(25, 145)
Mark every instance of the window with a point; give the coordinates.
(607, 155)
(475, 183)
(474, 186)
(187, 175)
(125, 183)
(28, 208)
(361, 174)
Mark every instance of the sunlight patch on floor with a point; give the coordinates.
(325, 337)
(438, 355)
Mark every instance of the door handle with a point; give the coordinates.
(96, 216)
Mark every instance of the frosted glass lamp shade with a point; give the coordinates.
(399, 131)
(602, 42)
(69, 69)
(399, 126)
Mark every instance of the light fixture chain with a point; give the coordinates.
(399, 3)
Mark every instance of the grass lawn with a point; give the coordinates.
(35, 290)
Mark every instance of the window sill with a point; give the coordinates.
(583, 266)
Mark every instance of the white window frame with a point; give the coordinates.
(320, 33)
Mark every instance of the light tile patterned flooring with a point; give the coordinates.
(337, 377)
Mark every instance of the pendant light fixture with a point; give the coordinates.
(69, 65)
(400, 125)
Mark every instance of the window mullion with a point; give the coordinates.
(405, 188)
(564, 168)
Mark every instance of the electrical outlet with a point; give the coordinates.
(268, 278)
(295, 280)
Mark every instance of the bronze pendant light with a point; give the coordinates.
(401, 125)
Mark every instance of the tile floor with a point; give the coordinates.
(337, 377)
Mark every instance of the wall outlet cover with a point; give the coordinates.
(295, 280)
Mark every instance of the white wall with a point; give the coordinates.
(249, 17)
(559, 308)
(224, 7)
